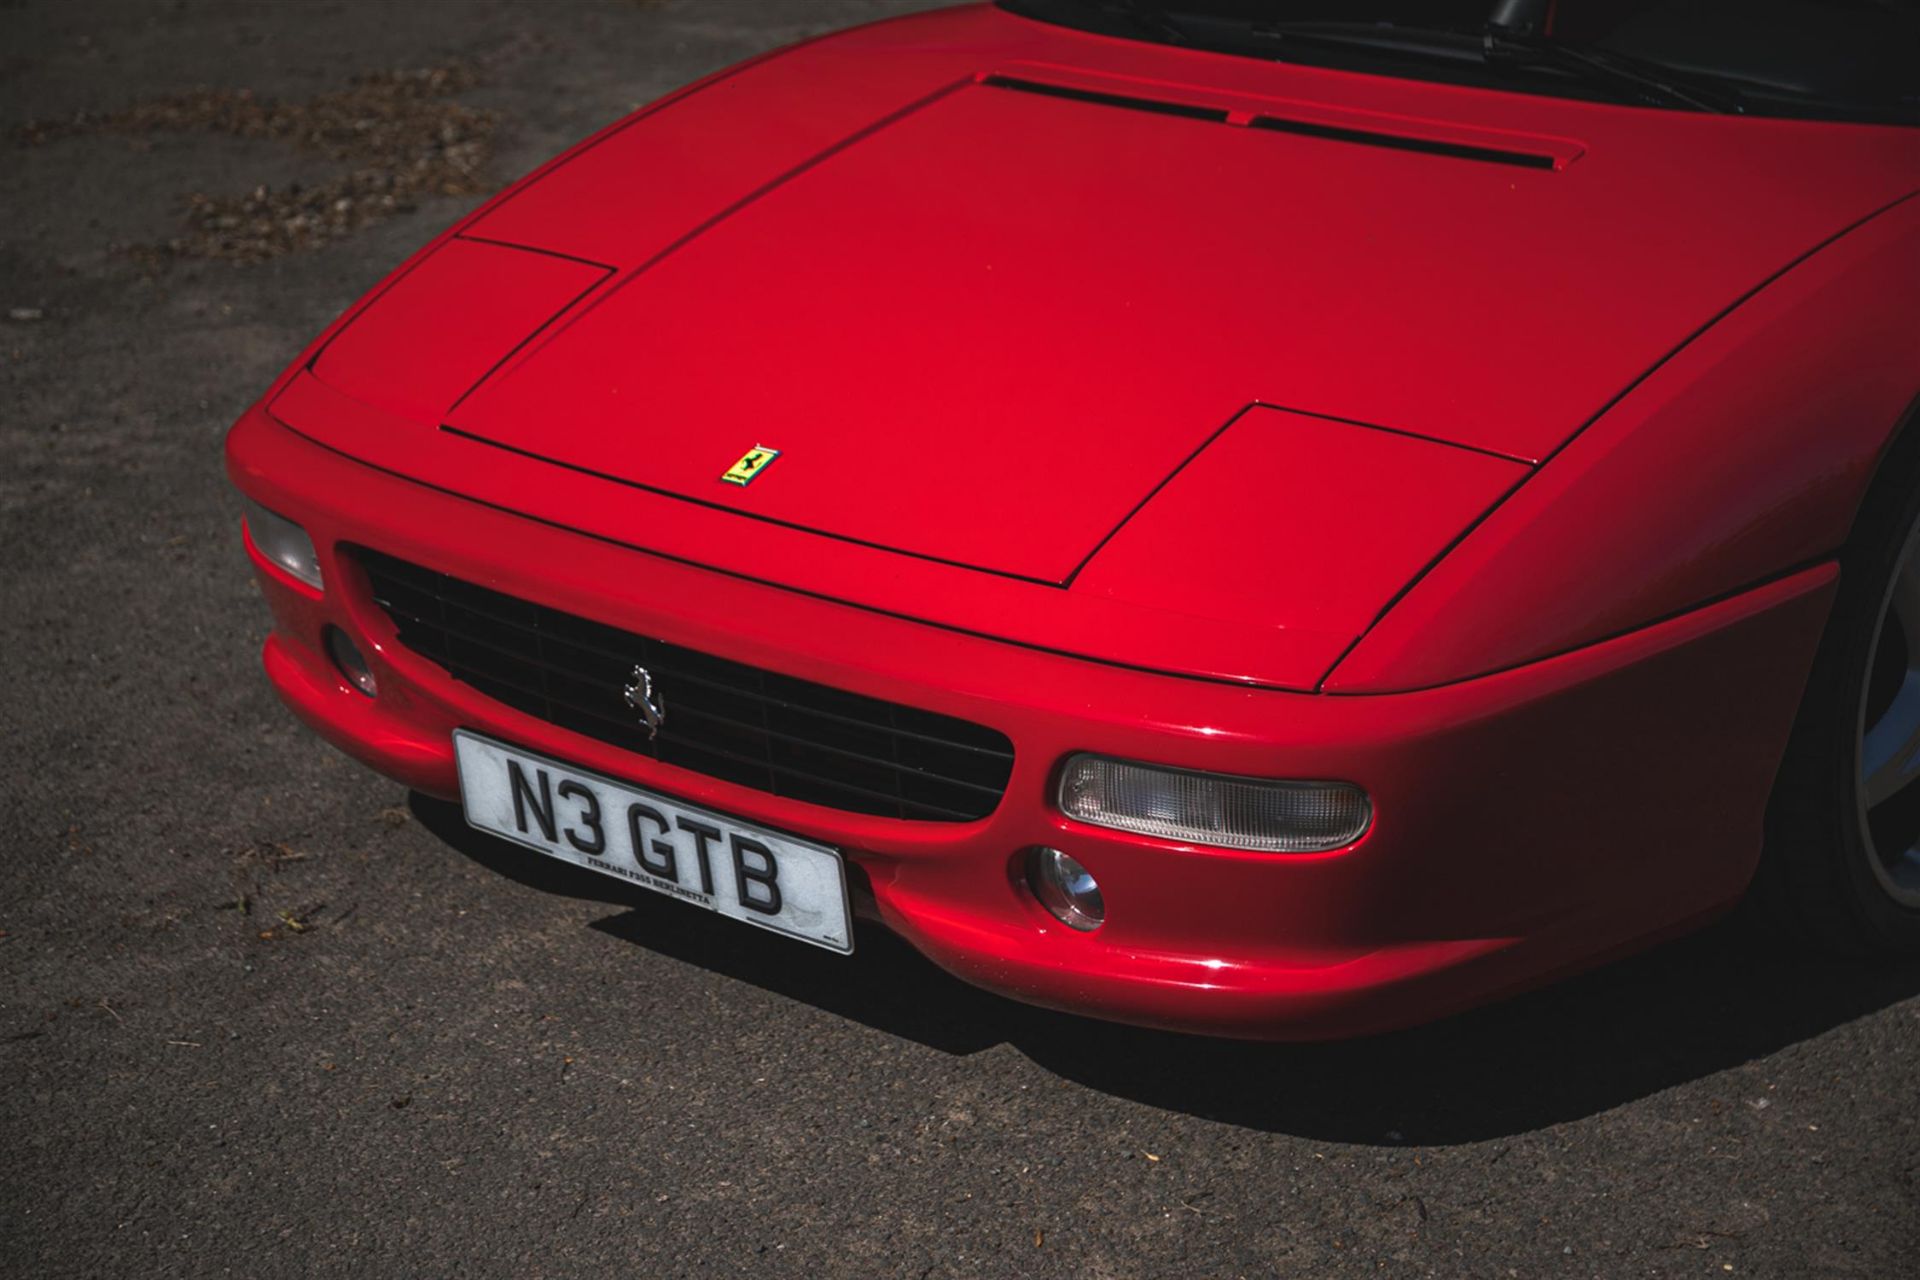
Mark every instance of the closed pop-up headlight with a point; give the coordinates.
(283, 542)
(1214, 809)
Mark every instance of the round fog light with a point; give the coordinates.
(1064, 888)
(346, 656)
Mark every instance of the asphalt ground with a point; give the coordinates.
(262, 1014)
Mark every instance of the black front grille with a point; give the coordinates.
(726, 719)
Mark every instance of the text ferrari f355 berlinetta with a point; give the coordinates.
(1268, 518)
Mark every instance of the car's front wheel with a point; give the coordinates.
(1843, 844)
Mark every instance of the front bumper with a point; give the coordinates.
(1526, 823)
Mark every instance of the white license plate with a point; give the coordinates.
(744, 871)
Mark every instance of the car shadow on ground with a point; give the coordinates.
(1675, 1014)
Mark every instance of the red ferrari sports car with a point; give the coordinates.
(1271, 518)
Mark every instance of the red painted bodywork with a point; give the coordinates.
(1510, 493)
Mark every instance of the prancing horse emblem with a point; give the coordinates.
(642, 698)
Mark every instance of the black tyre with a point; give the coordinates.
(1842, 864)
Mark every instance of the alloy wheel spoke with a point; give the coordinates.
(1890, 756)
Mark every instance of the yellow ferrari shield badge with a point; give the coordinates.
(751, 464)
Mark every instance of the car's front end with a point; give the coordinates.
(932, 477)
(1516, 825)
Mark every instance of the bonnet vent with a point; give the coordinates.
(1431, 138)
(1159, 106)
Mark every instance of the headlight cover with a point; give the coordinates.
(283, 542)
(1257, 814)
